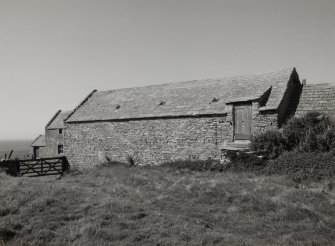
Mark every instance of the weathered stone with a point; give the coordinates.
(149, 141)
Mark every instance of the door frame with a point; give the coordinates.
(242, 136)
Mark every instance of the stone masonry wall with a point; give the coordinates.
(264, 121)
(52, 139)
(42, 152)
(149, 142)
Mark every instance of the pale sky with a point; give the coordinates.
(54, 52)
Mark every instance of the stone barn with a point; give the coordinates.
(178, 121)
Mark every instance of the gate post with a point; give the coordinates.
(17, 169)
(65, 164)
(14, 167)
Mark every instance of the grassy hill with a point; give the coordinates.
(118, 205)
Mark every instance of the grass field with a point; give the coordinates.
(120, 205)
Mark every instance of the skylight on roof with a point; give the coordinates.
(118, 106)
(162, 103)
(215, 100)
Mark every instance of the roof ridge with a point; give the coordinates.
(53, 118)
(80, 104)
(204, 80)
(58, 120)
(36, 139)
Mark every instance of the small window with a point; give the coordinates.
(60, 131)
(118, 106)
(162, 103)
(60, 149)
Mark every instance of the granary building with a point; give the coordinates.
(53, 140)
(185, 120)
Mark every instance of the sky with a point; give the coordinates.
(55, 52)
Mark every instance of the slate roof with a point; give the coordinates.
(57, 121)
(317, 97)
(39, 141)
(198, 97)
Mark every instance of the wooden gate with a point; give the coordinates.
(242, 121)
(37, 167)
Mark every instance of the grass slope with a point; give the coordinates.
(118, 205)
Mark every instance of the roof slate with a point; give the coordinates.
(39, 141)
(58, 120)
(317, 97)
(198, 97)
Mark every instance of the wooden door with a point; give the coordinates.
(242, 121)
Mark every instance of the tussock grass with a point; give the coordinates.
(120, 205)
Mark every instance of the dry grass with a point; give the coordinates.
(120, 205)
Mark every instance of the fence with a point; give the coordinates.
(36, 167)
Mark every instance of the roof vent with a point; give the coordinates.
(162, 103)
(214, 100)
(118, 106)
